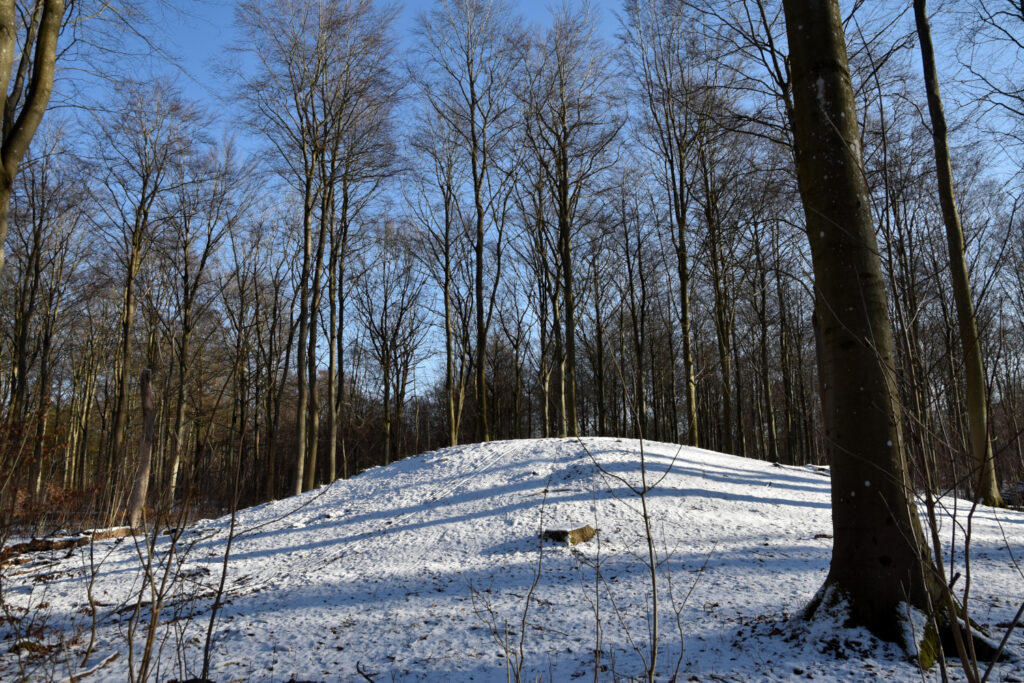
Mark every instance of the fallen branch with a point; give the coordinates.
(10, 553)
(364, 673)
(88, 672)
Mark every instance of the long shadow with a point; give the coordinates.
(532, 483)
(994, 516)
(685, 465)
(495, 493)
(505, 583)
(578, 460)
(517, 575)
(581, 462)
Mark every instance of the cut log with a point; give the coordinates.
(570, 536)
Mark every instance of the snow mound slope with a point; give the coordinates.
(430, 569)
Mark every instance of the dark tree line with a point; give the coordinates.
(490, 230)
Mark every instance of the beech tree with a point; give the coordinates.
(289, 45)
(880, 559)
(632, 237)
(389, 306)
(203, 207)
(435, 206)
(659, 50)
(358, 98)
(571, 119)
(985, 487)
(28, 54)
(470, 56)
(47, 212)
(153, 128)
(322, 95)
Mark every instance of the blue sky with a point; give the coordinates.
(200, 32)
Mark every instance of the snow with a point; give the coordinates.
(423, 570)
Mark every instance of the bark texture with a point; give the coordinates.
(880, 559)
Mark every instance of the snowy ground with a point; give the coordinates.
(417, 571)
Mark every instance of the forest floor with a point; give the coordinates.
(432, 569)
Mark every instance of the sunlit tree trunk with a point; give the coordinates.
(25, 99)
(138, 496)
(986, 488)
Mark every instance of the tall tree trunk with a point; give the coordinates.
(741, 431)
(602, 408)
(880, 561)
(722, 312)
(544, 366)
(387, 411)
(560, 356)
(340, 408)
(791, 448)
(302, 404)
(689, 379)
(449, 347)
(680, 210)
(313, 425)
(565, 249)
(986, 489)
(332, 377)
(478, 169)
(117, 433)
(313, 422)
(766, 387)
(179, 406)
(43, 411)
(138, 497)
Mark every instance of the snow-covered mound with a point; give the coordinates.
(432, 569)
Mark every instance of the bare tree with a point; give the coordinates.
(47, 212)
(470, 51)
(321, 95)
(204, 207)
(571, 118)
(536, 249)
(389, 307)
(266, 265)
(358, 97)
(632, 237)
(659, 54)
(290, 43)
(136, 147)
(436, 208)
(986, 488)
(717, 166)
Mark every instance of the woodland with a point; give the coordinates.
(470, 225)
(789, 231)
